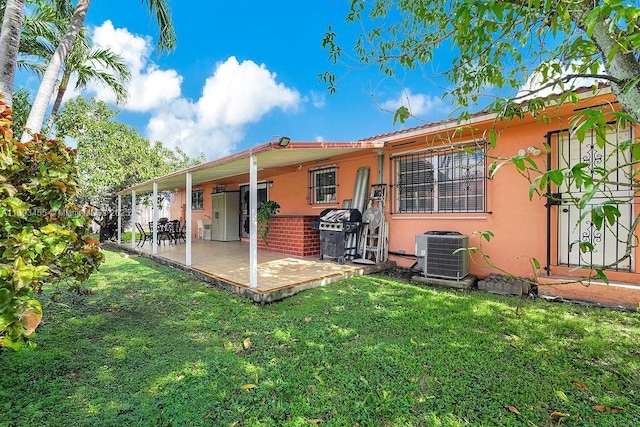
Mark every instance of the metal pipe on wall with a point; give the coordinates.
(380, 167)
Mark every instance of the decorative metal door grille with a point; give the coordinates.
(609, 243)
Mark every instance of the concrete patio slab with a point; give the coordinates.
(226, 265)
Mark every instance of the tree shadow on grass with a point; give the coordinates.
(151, 346)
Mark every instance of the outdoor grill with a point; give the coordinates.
(338, 233)
(347, 220)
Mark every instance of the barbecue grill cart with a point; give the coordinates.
(338, 233)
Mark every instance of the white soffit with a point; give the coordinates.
(268, 158)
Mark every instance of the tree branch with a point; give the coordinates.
(565, 79)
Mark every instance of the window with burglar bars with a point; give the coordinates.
(323, 184)
(197, 200)
(451, 180)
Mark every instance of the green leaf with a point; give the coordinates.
(556, 176)
(487, 235)
(55, 204)
(518, 162)
(601, 275)
(562, 395)
(492, 137)
(635, 152)
(401, 115)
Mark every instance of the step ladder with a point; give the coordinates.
(374, 236)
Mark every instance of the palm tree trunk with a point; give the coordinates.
(10, 42)
(48, 84)
(62, 89)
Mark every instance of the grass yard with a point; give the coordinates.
(152, 347)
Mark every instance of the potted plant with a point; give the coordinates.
(266, 210)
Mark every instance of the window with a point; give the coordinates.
(323, 184)
(451, 180)
(197, 200)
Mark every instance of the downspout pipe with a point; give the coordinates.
(380, 167)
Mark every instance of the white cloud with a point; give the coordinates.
(420, 106)
(241, 93)
(150, 87)
(319, 138)
(186, 133)
(537, 86)
(133, 48)
(234, 96)
(318, 99)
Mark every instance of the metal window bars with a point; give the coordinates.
(446, 180)
(323, 184)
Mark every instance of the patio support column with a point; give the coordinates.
(133, 219)
(154, 205)
(253, 215)
(119, 219)
(187, 260)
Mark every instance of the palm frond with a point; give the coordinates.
(36, 68)
(162, 12)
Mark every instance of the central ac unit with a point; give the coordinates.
(439, 255)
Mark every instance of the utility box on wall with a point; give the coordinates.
(225, 216)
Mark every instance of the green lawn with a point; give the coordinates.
(152, 347)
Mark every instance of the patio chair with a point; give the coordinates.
(163, 233)
(200, 229)
(144, 235)
(183, 232)
(176, 231)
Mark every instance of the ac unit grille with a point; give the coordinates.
(440, 259)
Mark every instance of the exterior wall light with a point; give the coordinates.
(284, 141)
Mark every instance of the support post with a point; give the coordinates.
(187, 260)
(154, 241)
(253, 227)
(133, 219)
(119, 219)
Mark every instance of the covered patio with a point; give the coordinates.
(239, 265)
(226, 265)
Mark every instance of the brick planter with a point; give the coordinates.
(292, 235)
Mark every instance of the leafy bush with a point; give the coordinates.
(266, 210)
(43, 235)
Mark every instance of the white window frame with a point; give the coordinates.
(328, 193)
(197, 205)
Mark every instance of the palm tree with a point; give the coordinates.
(10, 42)
(36, 117)
(31, 34)
(41, 33)
(91, 64)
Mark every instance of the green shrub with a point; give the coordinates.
(44, 237)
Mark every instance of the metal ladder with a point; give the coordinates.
(374, 237)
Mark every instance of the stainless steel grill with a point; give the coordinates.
(336, 226)
(340, 220)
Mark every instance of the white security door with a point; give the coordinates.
(609, 243)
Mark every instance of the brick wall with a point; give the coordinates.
(292, 235)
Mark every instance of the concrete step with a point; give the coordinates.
(615, 295)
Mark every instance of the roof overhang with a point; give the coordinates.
(268, 156)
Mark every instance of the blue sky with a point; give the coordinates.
(245, 72)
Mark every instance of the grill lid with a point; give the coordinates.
(341, 215)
